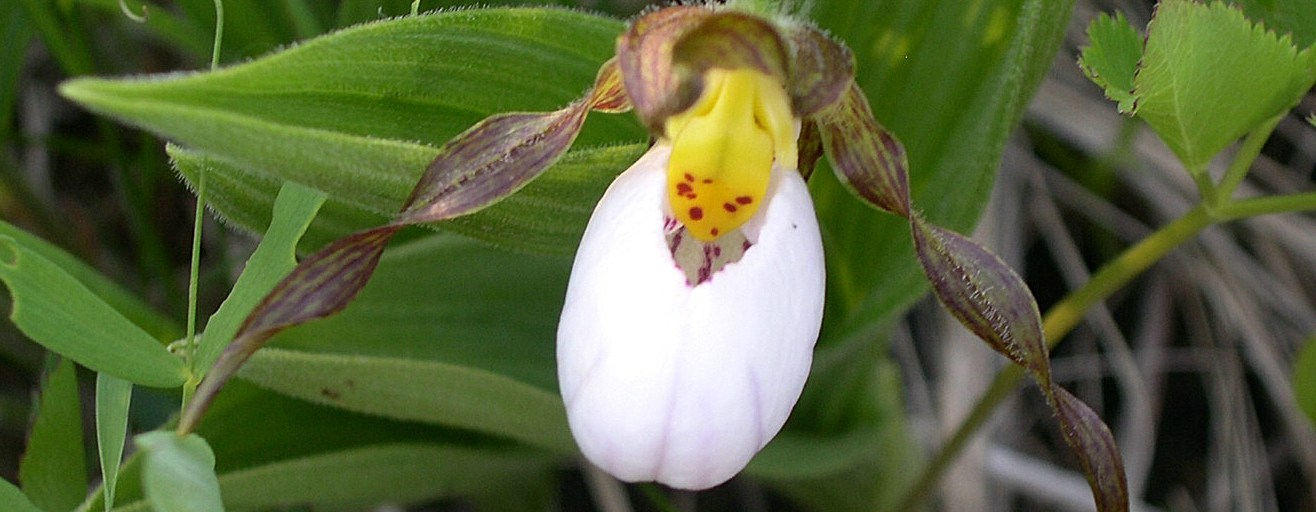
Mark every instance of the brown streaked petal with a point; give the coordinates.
(991, 300)
(1095, 447)
(609, 92)
(984, 294)
(821, 70)
(644, 54)
(732, 40)
(867, 158)
(502, 153)
(487, 162)
(320, 286)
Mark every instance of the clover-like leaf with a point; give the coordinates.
(1111, 57)
(1295, 17)
(1209, 75)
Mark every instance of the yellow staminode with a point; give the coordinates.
(723, 148)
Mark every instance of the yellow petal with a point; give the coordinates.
(723, 148)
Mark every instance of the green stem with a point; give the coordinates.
(193, 279)
(219, 34)
(1247, 154)
(1268, 205)
(1058, 321)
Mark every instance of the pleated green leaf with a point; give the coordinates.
(432, 392)
(357, 478)
(361, 112)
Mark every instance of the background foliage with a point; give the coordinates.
(437, 384)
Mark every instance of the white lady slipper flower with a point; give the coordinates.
(696, 295)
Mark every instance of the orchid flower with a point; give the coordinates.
(696, 295)
(697, 290)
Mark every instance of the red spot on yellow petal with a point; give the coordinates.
(696, 213)
(683, 188)
(744, 200)
(689, 178)
(730, 208)
(713, 231)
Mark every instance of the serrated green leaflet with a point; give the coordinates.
(294, 207)
(178, 474)
(359, 113)
(426, 391)
(1209, 75)
(57, 311)
(1296, 17)
(53, 471)
(1111, 57)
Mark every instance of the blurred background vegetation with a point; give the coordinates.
(1191, 365)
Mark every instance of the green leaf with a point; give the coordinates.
(447, 299)
(366, 476)
(14, 500)
(179, 473)
(303, 452)
(1111, 57)
(431, 392)
(56, 310)
(1304, 379)
(113, 396)
(54, 468)
(334, 115)
(293, 209)
(547, 216)
(134, 308)
(358, 478)
(1209, 76)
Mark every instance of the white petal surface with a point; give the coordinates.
(684, 384)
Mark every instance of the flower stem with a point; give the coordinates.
(1058, 321)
